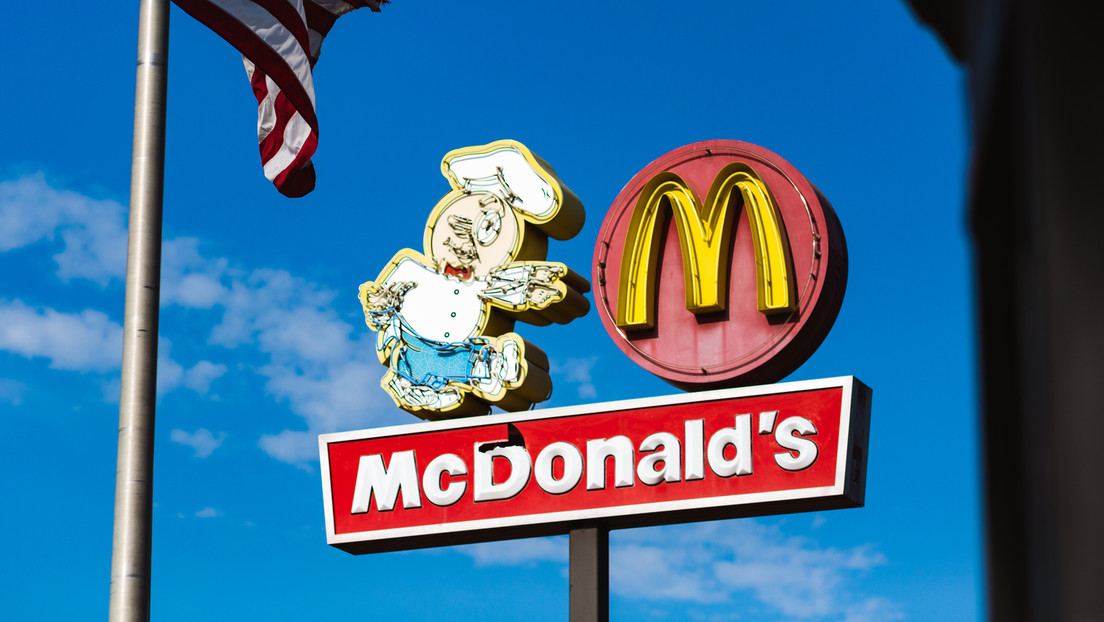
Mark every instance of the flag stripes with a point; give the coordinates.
(280, 41)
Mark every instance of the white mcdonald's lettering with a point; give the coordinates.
(695, 458)
(740, 438)
(431, 479)
(520, 468)
(786, 435)
(665, 458)
(620, 448)
(386, 483)
(572, 468)
(666, 450)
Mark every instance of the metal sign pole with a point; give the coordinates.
(130, 554)
(588, 574)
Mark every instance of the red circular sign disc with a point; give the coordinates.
(739, 345)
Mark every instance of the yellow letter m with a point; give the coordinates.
(704, 232)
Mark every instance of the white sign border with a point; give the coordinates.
(846, 462)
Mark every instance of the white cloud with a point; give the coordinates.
(208, 513)
(202, 374)
(874, 610)
(721, 562)
(197, 291)
(94, 248)
(88, 341)
(333, 397)
(291, 446)
(309, 334)
(285, 315)
(84, 341)
(325, 375)
(659, 573)
(518, 552)
(716, 561)
(95, 245)
(31, 211)
(93, 231)
(577, 371)
(94, 241)
(315, 363)
(188, 278)
(169, 373)
(202, 441)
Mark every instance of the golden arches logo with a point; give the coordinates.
(704, 232)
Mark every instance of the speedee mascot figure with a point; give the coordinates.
(444, 319)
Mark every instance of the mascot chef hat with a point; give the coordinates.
(525, 182)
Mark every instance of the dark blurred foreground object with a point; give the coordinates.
(1037, 220)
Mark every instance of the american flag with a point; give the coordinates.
(280, 41)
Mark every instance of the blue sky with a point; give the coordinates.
(263, 345)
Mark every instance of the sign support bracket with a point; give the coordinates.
(588, 574)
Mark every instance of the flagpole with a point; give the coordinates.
(132, 536)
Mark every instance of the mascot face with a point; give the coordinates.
(472, 234)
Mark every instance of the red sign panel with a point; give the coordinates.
(736, 452)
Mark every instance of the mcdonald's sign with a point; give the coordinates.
(720, 265)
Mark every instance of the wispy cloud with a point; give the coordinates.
(316, 365)
(31, 211)
(88, 341)
(291, 446)
(202, 441)
(283, 315)
(92, 230)
(576, 371)
(311, 358)
(202, 374)
(518, 552)
(659, 572)
(334, 397)
(716, 561)
(707, 564)
(84, 341)
(208, 513)
(874, 610)
(188, 278)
